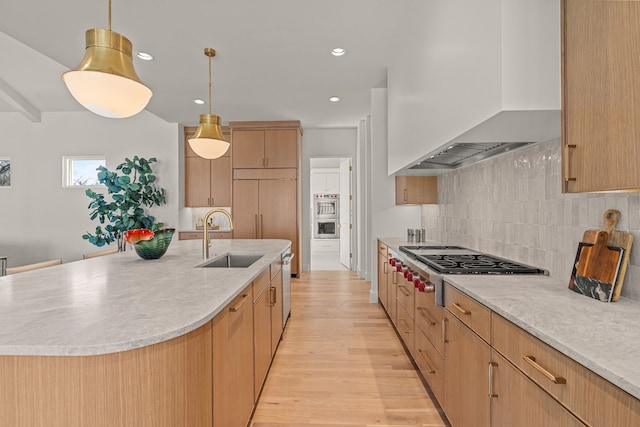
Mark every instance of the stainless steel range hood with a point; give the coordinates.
(504, 132)
(466, 153)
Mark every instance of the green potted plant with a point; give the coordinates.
(132, 187)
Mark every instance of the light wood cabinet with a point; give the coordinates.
(588, 395)
(261, 329)
(430, 363)
(265, 144)
(207, 182)
(416, 190)
(517, 401)
(467, 358)
(383, 274)
(600, 95)
(266, 209)
(233, 379)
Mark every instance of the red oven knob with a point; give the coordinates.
(392, 262)
(398, 267)
(421, 286)
(416, 281)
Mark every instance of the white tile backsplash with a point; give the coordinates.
(512, 206)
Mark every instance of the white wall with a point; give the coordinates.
(321, 143)
(387, 219)
(39, 219)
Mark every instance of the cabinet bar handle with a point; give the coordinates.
(395, 278)
(460, 309)
(237, 307)
(405, 195)
(532, 361)
(261, 228)
(426, 362)
(565, 161)
(257, 230)
(423, 312)
(491, 366)
(444, 331)
(272, 296)
(384, 267)
(404, 290)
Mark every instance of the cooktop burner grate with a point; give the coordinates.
(475, 263)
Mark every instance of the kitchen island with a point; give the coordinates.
(118, 340)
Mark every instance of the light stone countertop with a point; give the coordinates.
(121, 302)
(603, 337)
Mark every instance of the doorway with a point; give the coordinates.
(331, 214)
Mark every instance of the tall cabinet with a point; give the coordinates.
(266, 182)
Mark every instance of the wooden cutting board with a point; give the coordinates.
(616, 238)
(596, 268)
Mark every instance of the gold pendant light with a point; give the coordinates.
(208, 141)
(105, 82)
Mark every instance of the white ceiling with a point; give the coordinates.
(273, 57)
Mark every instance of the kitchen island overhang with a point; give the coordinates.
(121, 302)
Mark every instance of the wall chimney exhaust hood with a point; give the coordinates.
(466, 88)
(504, 132)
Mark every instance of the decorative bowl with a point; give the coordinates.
(157, 246)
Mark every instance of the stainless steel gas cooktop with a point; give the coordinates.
(459, 260)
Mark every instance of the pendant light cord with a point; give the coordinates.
(209, 84)
(109, 15)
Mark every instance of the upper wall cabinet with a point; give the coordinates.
(473, 71)
(207, 182)
(601, 95)
(259, 145)
(416, 190)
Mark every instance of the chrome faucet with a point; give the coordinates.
(206, 241)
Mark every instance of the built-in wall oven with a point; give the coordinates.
(326, 220)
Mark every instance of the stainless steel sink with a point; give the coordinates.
(231, 261)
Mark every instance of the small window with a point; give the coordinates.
(80, 171)
(5, 172)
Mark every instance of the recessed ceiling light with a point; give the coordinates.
(145, 56)
(199, 101)
(334, 99)
(338, 51)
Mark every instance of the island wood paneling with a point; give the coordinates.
(163, 385)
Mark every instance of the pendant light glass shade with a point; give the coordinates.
(105, 82)
(208, 141)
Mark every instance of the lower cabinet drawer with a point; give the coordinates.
(431, 364)
(469, 311)
(518, 401)
(428, 318)
(589, 396)
(405, 327)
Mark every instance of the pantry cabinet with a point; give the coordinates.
(600, 95)
(266, 209)
(416, 190)
(233, 380)
(265, 144)
(207, 182)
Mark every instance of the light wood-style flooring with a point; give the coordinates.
(341, 363)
